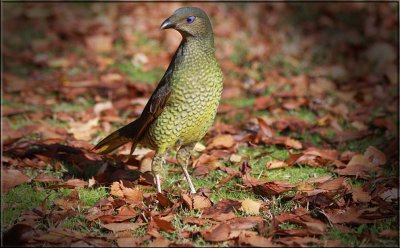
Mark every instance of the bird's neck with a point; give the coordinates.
(200, 44)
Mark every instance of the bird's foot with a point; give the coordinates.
(158, 183)
(189, 180)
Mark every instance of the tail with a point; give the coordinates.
(128, 133)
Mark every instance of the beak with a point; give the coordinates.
(167, 24)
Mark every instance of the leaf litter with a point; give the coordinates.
(52, 118)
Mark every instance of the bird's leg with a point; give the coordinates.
(156, 167)
(183, 156)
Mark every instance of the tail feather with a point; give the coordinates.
(119, 138)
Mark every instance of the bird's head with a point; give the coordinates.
(189, 21)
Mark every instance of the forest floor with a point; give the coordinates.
(304, 149)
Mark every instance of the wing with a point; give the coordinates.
(134, 131)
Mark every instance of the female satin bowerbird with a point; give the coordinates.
(185, 102)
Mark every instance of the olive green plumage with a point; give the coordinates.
(185, 102)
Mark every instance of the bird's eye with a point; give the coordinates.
(190, 19)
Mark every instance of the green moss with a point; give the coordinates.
(89, 197)
(21, 198)
(242, 102)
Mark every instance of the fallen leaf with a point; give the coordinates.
(132, 242)
(390, 195)
(243, 223)
(392, 234)
(163, 224)
(119, 227)
(333, 185)
(360, 160)
(320, 179)
(272, 188)
(101, 106)
(116, 190)
(44, 178)
(359, 195)
(201, 202)
(221, 232)
(163, 200)
(375, 156)
(222, 211)
(133, 196)
(276, 164)
(350, 215)
(84, 130)
(250, 206)
(70, 201)
(196, 221)
(76, 183)
(234, 158)
(253, 239)
(222, 141)
(159, 242)
(99, 43)
(12, 178)
(202, 170)
(18, 234)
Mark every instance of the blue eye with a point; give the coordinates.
(190, 19)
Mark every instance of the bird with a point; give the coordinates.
(184, 104)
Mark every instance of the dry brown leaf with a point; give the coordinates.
(201, 202)
(350, 215)
(18, 235)
(250, 206)
(265, 128)
(389, 195)
(44, 178)
(276, 164)
(221, 232)
(235, 158)
(101, 106)
(305, 187)
(196, 221)
(375, 156)
(222, 141)
(132, 242)
(269, 189)
(84, 130)
(392, 234)
(359, 195)
(163, 200)
(320, 179)
(202, 170)
(360, 160)
(333, 185)
(133, 196)
(116, 190)
(159, 242)
(12, 178)
(99, 43)
(119, 227)
(124, 213)
(223, 210)
(76, 183)
(163, 225)
(357, 170)
(70, 201)
(243, 223)
(253, 239)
